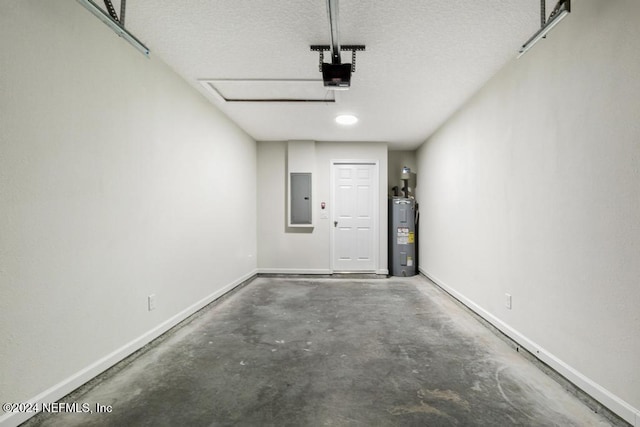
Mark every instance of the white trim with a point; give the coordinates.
(318, 271)
(212, 90)
(293, 271)
(68, 385)
(595, 390)
(376, 210)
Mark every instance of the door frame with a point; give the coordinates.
(376, 212)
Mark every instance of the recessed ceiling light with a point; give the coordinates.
(346, 119)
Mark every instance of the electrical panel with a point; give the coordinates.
(300, 202)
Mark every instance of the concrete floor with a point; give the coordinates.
(330, 352)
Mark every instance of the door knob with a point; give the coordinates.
(335, 223)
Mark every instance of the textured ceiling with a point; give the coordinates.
(423, 58)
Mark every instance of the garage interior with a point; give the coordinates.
(149, 226)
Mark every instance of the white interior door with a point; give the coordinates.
(354, 217)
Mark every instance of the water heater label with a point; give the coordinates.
(403, 235)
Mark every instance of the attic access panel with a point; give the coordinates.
(266, 90)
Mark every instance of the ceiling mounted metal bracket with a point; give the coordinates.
(559, 12)
(114, 22)
(353, 48)
(111, 10)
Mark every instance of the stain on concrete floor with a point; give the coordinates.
(331, 352)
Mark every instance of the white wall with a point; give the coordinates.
(288, 250)
(533, 189)
(117, 181)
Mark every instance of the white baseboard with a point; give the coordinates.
(293, 271)
(311, 271)
(66, 386)
(615, 404)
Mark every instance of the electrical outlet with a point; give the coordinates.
(151, 300)
(507, 301)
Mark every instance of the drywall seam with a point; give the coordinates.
(66, 386)
(615, 404)
(294, 271)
